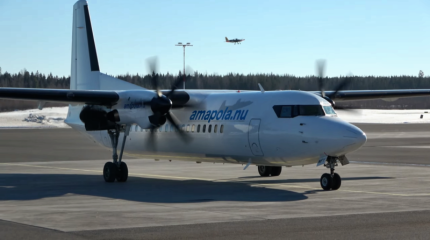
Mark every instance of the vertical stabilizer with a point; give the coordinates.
(85, 69)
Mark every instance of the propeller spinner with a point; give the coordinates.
(162, 104)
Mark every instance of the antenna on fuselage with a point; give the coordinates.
(261, 88)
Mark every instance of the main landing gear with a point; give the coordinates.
(330, 181)
(266, 171)
(117, 169)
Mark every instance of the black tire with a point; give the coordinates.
(326, 181)
(122, 173)
(275, 171)
(109, 172)
(336, 182)
(264, 171)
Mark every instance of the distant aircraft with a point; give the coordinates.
(234, 40)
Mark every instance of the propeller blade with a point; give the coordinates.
(172, 119)
(341, 86)
(175, 86)
(153, 70)
(320, 73)
(152, 141)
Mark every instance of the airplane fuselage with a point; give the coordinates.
(234, 127)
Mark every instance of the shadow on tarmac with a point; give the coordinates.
(37, 186)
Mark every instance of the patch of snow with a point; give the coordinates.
(384, 116)
(35, 118)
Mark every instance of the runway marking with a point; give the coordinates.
(394, 164)
(406, 146)
(352, 191)
(220, 180)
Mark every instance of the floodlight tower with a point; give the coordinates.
(184, 45)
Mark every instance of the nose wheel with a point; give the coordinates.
(332, 180)
(116, 170)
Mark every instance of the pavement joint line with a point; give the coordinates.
(214, 180)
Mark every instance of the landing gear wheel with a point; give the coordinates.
(110, 172)
(122, 173)
(264, 171)
(276, 171)
(326, 181)
(336, 182)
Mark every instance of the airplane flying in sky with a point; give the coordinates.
(270, 129)
(236, 40)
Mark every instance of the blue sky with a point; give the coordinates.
(366, 37)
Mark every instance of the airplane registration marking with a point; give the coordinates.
(220, 180)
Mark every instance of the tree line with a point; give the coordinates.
(25, 79)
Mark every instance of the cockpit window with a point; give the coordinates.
(329, 110)
(310, 110)
(286, 112)
(290, 111)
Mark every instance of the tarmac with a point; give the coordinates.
(51, 187)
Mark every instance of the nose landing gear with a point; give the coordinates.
(117, 169)
(330, 181)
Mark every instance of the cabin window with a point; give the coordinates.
(135, 128)
(221, 129)
(198, 128)
(193, 128)
(183, 127)
(188, 127)
(204, 128)
(215, 128)
(209, 128)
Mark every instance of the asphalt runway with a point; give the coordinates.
(49, 191)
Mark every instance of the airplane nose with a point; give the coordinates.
(354, 138)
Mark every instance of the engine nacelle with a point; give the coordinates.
(137, 116)
(96, 118)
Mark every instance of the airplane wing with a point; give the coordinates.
(375, 94)
(93, 97)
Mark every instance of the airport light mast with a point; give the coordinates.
(184, 45)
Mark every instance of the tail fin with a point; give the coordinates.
(85, 71)
(226, 39)
(85, 65)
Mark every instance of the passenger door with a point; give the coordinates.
(254, 138)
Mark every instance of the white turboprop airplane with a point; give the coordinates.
(269, 129)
